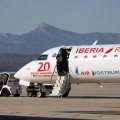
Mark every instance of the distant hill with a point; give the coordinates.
(46, 36)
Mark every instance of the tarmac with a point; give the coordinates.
(85, 102)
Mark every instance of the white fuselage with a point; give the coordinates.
(87, 64)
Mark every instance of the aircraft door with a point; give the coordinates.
(65, 60)
(62, 60)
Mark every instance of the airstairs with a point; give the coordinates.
(61, 87)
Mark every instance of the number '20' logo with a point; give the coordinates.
(44, 66)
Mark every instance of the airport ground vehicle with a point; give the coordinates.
(9, 85)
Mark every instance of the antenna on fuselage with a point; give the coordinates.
(95, 42)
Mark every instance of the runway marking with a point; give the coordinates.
(15, 113)
(55, 114)
(34, 113)
(11, 113)
(76, 115)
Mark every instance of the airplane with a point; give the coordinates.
(85, 64)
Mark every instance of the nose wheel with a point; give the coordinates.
(29, 94)
(40, 94)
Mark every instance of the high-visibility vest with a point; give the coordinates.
(59, 58)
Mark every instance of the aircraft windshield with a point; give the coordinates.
(4, 78)
(43, 57)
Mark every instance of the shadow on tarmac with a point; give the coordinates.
(7, 117)
(93, 112)
(75, 97)
(93, 97)
(79, 97)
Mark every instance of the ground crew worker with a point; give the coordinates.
(59, 62)
(66, 64)
(68, 52)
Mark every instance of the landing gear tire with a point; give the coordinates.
(40, 94)
(5, 93)
(16, 95)
(66, 94)
(29, 94)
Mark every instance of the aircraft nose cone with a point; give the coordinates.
(17, 75)
(23, 72)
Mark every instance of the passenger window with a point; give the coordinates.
(76, 57)
(94, 56)
(85, 57)
(115, 56)
(105, 56)
(43, 57)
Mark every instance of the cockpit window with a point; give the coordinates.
(43, 57)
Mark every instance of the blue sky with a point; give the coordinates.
(80, 16)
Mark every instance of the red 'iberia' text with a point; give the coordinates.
(90, 50)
